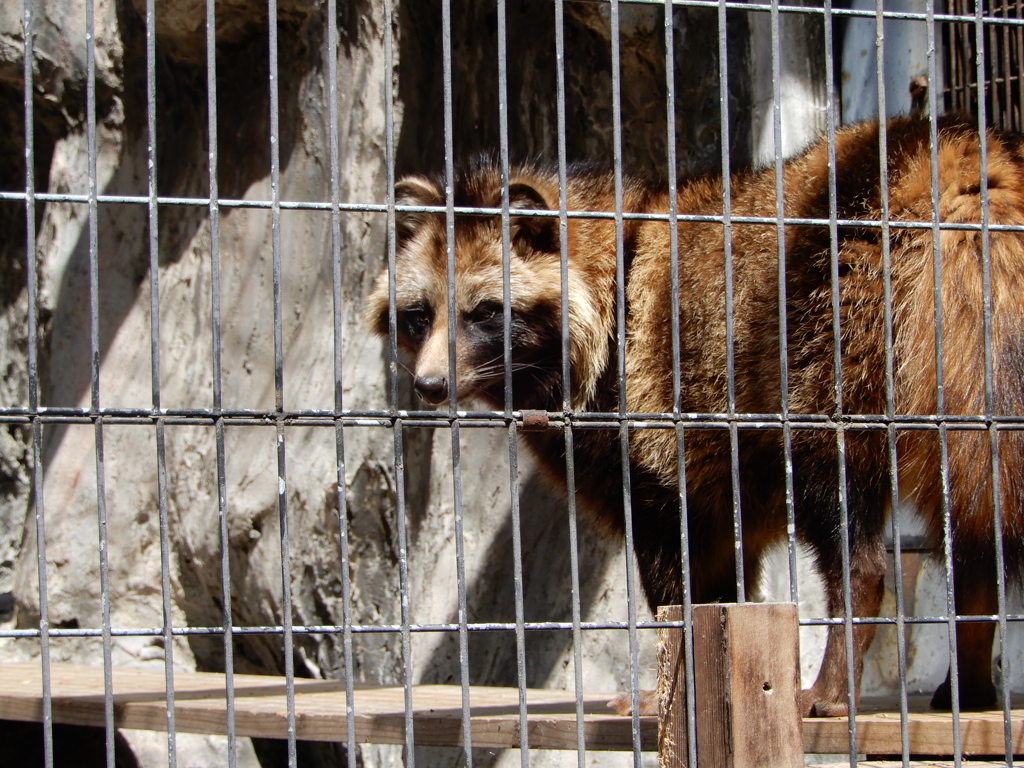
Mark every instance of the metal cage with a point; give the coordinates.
(964, 44)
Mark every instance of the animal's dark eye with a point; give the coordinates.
(487, 313)
(415, 322)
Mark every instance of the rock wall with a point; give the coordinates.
(67, 463)
(129, 469)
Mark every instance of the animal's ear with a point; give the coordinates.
(413, 190)
(531, 233)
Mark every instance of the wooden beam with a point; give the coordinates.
(320, 709)
(929, 732)
(672, 721)
(746, 688)
(379, 713)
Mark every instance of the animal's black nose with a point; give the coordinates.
(433, 389)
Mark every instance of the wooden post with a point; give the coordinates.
(672, 750)
(746, 663)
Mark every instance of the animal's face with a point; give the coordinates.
(422, 300)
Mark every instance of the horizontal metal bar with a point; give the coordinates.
(833, 11)
(533, 626)
(428, 419)
(539, 213)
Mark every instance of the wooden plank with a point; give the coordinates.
(672, 722)
(746, 688)
(915, 764)
(930, 732)
(379, 713)
(320, 709)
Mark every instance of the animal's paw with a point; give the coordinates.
(623, 703)
(976, 695)
(814, 704)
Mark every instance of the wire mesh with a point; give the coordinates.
(979, 44)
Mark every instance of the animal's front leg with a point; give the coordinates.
(828, 696)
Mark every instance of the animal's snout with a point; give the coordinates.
(433, 389)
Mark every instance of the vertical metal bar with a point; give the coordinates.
(780, 239)
(844, 526)
(517, 581)
(389, 192)
(563, 218)
(567, 406)
(901, 638)
(449, 192)
(351, 749)
(673, 237)
(449, 160)
(165, 588)
(389, 133)
(449, 179)
(993, 76)
(403, 588)
(513, 445)
(620, 310)
(331, 55)
(282, 486)
(970, 86)
(90, 129)
(989, 361)
(94, 380)
(403, 565)
(101, 519)
(947, 537)
(844, 535)
(44, 614)
(463, 610)
(942, 435)
(730, 333)
(986, 254)
(222, 493)
(1018, 50)
(154, 326)
(506, 288)
(32, 289)
(688, 659)
(151, 206)
(997, 521)
(574, 571)
(286, 594)
(979, 42)
(225, 586)
(933, 140)
(1008, 37)
(1015, 44)
(275, 204)
(940, 401)
(887, 320)
(1006, 34)
(891, 440)
(673, 203)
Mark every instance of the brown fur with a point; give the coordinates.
(421, 282)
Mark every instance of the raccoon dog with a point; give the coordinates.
(810, 378)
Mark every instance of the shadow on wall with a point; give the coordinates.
(78, 745)
(532, 86)
(182, 141)
(547, 594)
